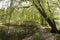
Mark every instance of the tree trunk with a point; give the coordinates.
(50, 22)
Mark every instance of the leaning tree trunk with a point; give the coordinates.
(50, 22)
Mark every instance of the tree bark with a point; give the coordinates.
(50, 22)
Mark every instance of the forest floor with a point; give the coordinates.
(45, 35)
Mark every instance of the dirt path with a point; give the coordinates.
(46, 35)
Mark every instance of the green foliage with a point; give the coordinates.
(27, 28)
(21, 16)
(36, 36)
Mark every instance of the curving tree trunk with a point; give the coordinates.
(51, 22)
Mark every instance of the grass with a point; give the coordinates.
(56, 34)
(36, 36)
